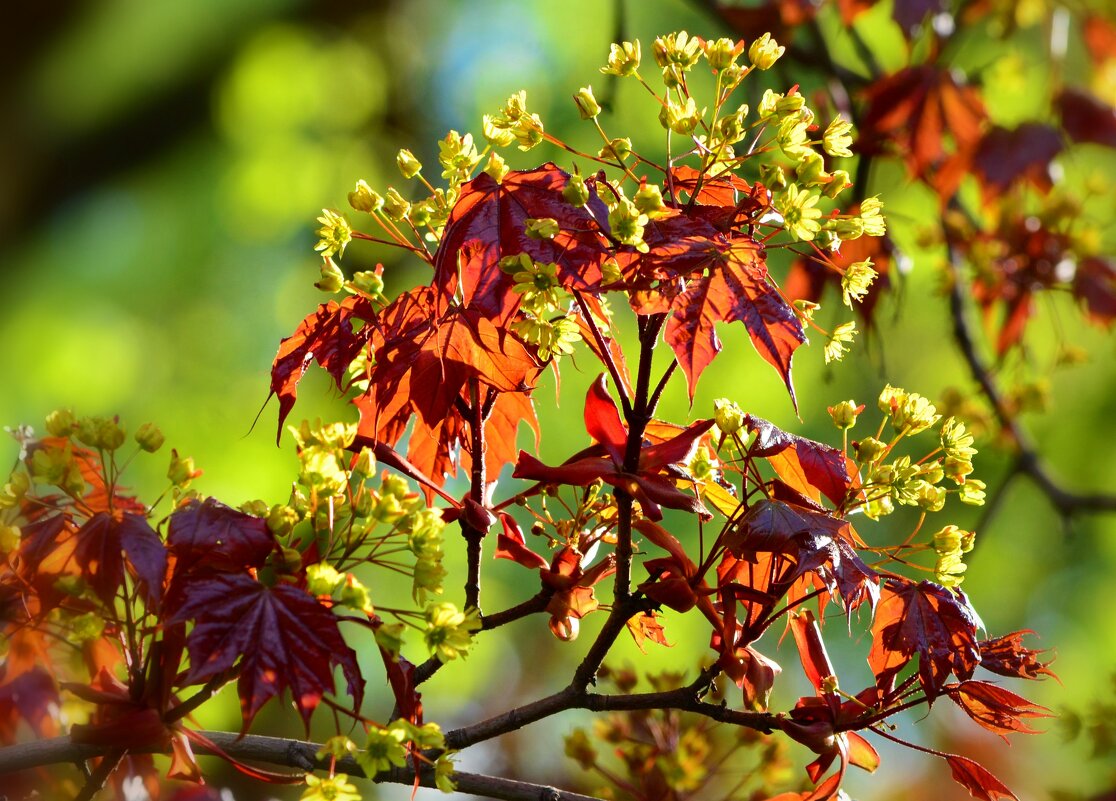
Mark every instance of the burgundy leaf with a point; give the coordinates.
(281, 637)
(488, 223)
(928, 621)
(210, 534)
(1085, 118)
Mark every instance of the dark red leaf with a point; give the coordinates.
(602, 420)
(488, 223)
(812, 468)
(146, 554)
(910, 14)
(327, 337)
(737, 289)
(1085, 118)
(1007, 656)
(281, 637)
(30, 697)
(1005, 157)
(977, 780)
(1095, 283)
(996, 709)
(210, 534)
(928, 621)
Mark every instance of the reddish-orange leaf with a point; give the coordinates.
(737, 289)
(646, 626)
(996, 709)
(325, 337)
(811, 468)
(928, 621)
(912, 111)
(977, 779)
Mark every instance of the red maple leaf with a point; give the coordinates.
(911, 112)
(650, 484)
(489, 221)
(1007, 656)
(736, 289)
(281, 637)
(928, 621)
(325, 337)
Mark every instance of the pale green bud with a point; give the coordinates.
(722, 52)
(623, 59)
(870, 449)
(728, 416)
(844, 414)
(322, 579)
(332, 279)
(765, 51)
(587, 105)
(649, 200)
(281, 520)
(370, 282)
(575, 192)
(364, 198)
(496, 167)
(542, 228)
(149, 437)
(408, 165)
(60, 423)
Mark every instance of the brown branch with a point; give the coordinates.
(1028, 461)
(281, 752)
(686, 699)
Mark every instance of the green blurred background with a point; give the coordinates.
(162, 163)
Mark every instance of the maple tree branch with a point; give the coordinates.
(1028, 461)
(298, 754)
(95, 781)
(686, 699)
(474, 537)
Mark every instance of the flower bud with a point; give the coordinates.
(680, 118)
(181, 471)
(575, 192)
(332, 279)
(365, 464)
(649, 200)
(496, 167)
(365, 199)
(281, 520)
(728, 416)
(839, 181)
(870, 449)
(395, 207)
(948, 539)
(587, 105)
(765, 51)
(322, 579)
(844, 414)
(619, 148)
(838, 138)
(722, 53)
(60, 423)
(149, 437)
(408, 165)
(370, 282)
(972, 492)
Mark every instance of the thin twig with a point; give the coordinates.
(1028, 461)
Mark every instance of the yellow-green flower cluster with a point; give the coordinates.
(910, 413)
(957, 443)
(627, 223)
(514, 123)
(728, 416)
(623, 59)
(383, 749)
(425, 541)
(322, 456)
(536, 283)
(951, 543)
(449, 632)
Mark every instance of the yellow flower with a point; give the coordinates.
(765, 51)
(835, 346)
(838, 137)
(623, 59)
(329, 788)
(449, 632)
(797, 207)
(334, 234)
